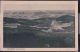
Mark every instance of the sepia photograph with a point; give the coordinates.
(43, 25)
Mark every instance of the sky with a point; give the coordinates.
(39, 5)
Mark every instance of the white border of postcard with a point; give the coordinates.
(39, 49)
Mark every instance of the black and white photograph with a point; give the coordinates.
(28, 24)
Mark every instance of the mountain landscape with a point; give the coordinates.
(42, 29)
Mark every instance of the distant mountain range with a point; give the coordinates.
(64, 23)
(36, 14)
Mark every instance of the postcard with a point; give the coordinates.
(39, 26)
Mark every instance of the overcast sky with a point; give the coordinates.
(39, 5)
